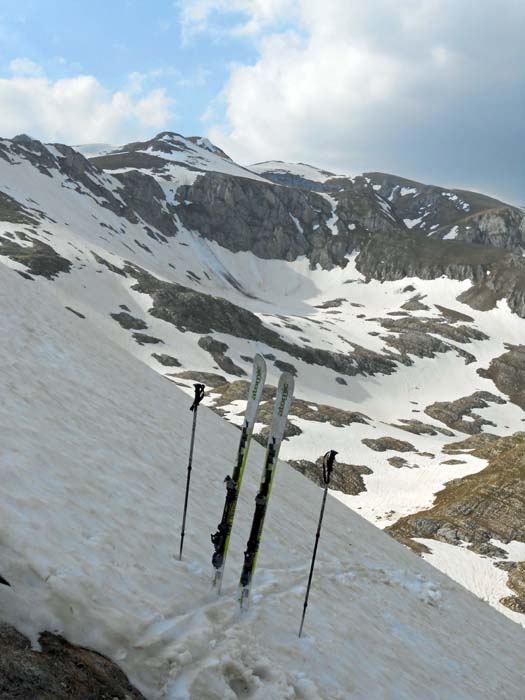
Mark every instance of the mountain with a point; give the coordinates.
(94, 449)
(400, 307)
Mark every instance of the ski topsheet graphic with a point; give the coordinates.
(283, 399)
(221, 539)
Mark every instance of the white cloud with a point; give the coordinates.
(25, 67)
(78, 109)
(376, 84)
(250, 17)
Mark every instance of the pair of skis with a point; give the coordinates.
(221, 539)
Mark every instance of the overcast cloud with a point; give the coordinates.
(432, 89)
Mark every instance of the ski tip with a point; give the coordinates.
(259, 359)
(286, 382)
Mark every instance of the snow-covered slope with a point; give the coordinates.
(94, 448)
(195, 154)
(302, 170)
(151, 260)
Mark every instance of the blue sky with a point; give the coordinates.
(429, 89)
(111, 39)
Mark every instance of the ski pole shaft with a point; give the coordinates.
(328, 465)
(199, 394)
(312, 565)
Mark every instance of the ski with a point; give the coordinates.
(221, 539)
(283, 399)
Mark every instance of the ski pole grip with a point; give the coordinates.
(328, 465)
(199, 395)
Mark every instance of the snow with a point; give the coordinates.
(411, 223)
(385, 207)
(459, 203)
(95, 446)
(297, 224)
(473, 571)
(271, 289)
(402, 191)
(452, 234)
(308, 172)
(332, 221)
(92, 150)
(200, 157)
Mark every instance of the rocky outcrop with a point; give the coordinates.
(146, 197)
(415, 304)
(508, 373)
(401, 463)
(500, 226)
(129, 322)
(59, 671)
(516, 582)
(459, 414)
(218, 351)
(39, 258)
(271, 222)
(206, 378)
(480, 507)
(145, 339)
(347, 478)
(504, 280)
(166, 360)
(417, 427)
(412, 255)
(383, 444)
(496, 274)
(473, 217)
(14, 213)
(416, 335)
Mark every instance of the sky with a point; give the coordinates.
(433, 90)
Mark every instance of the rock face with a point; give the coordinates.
(39, 258)
(439, 212)
(416, 335)
(388, 443)
(459, 414)
(503, 280)
(60, 671)
(480, 507)
(242, 214)
(347, 478)
(516, 582)
(129, 322)
(508, 373)
(218, 351)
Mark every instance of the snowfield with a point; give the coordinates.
(93, 453)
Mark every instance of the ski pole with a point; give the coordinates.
(199, 395)
(328, 465)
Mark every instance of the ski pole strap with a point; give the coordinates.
(328, 465)
(199, 395)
